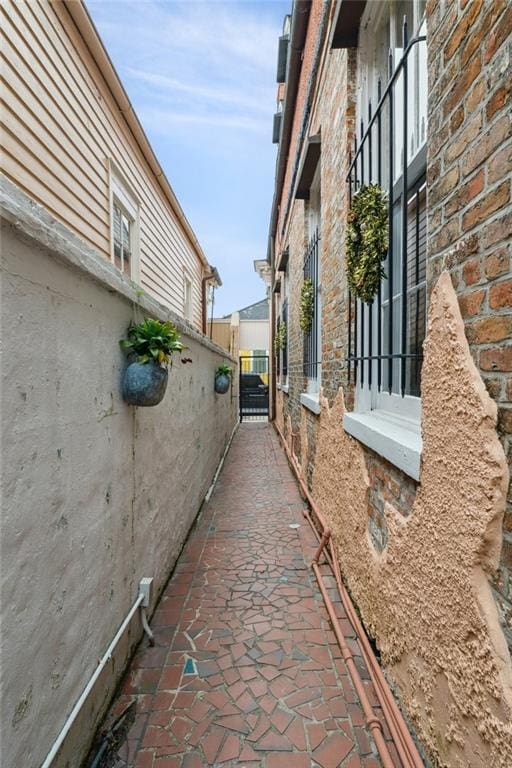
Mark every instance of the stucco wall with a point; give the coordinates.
(453, 670)
(96, 493)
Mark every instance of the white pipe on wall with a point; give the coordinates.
(81, 701)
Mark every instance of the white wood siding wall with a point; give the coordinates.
(60, 128)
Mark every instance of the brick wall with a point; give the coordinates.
(469, 199)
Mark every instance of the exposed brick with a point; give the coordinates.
(500, 295)
(492, 202)
(446, 183)
(500, 165)
(461, 85)
(490, 329)
(498, 100)
(496, 359)
(470, 303)
(488, 143)
(457, 146)
(493, 387)
(505, 425)
(476, 95)
(499, 34)
(498, 231)
(465, 193)
(471, 272)
(497, 263)
(491, 11)
(508, 389)
(459, 34)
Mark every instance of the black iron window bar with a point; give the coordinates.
(409, 193)
(278, 352)
(284, 352)
(311, 361)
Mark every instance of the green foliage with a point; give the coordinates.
(280, 338)
(152, 340)
(224, 370)
(307, 305)
(367, 241)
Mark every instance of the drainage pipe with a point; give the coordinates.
(88, 688)
(400, 733)
(372, 721)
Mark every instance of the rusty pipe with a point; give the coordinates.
(405, 746)
(372, 721)
(402, 738)
(326, 535)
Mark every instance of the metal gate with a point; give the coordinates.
(254, 386)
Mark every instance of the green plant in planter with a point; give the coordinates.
(367, 241)
(307, 305)
(153, 341)
(224, 370)
(280, 338)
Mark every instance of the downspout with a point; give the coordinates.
(212, 275)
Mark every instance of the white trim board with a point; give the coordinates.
(396, 439)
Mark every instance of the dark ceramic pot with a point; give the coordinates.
(222, 383)
(144, 384)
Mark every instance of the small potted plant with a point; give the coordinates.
(150, 346)
(223, 376)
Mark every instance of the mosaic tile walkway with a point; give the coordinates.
(246, 670)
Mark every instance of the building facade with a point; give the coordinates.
(398, 408)
(71, 140)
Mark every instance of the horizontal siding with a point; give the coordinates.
(61, 127)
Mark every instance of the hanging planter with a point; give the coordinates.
(307, 305)
(280, 338)
(223, 376)
(367, 242)
(150, 346)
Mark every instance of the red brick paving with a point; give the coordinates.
(270, 689)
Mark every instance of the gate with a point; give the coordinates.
(254, 386)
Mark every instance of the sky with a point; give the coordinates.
(202, 79)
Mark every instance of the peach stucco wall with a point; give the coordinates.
(452, 668)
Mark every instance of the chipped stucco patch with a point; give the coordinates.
(426, 596)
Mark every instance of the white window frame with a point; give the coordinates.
(311, 397)
(389, 423)
(121, 196)
(188, 296)
(283, 379)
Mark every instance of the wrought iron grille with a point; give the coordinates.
(311, 352)
(385, 337)
(284, 352)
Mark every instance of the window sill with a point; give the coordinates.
(283, 387)
(312, 402)
(395, 438)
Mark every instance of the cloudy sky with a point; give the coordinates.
(201, 76)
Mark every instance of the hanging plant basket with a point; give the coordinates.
(150, 346)
(223, 376)
(307, 305)
(144, 384)
(367, 242)
(280, 338)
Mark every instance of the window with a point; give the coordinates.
(385, 337)
(124, 228)
(282, 319)
(312, 339)
(123, 238)
(187, 297)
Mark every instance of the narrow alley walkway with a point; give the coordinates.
(246, 670)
